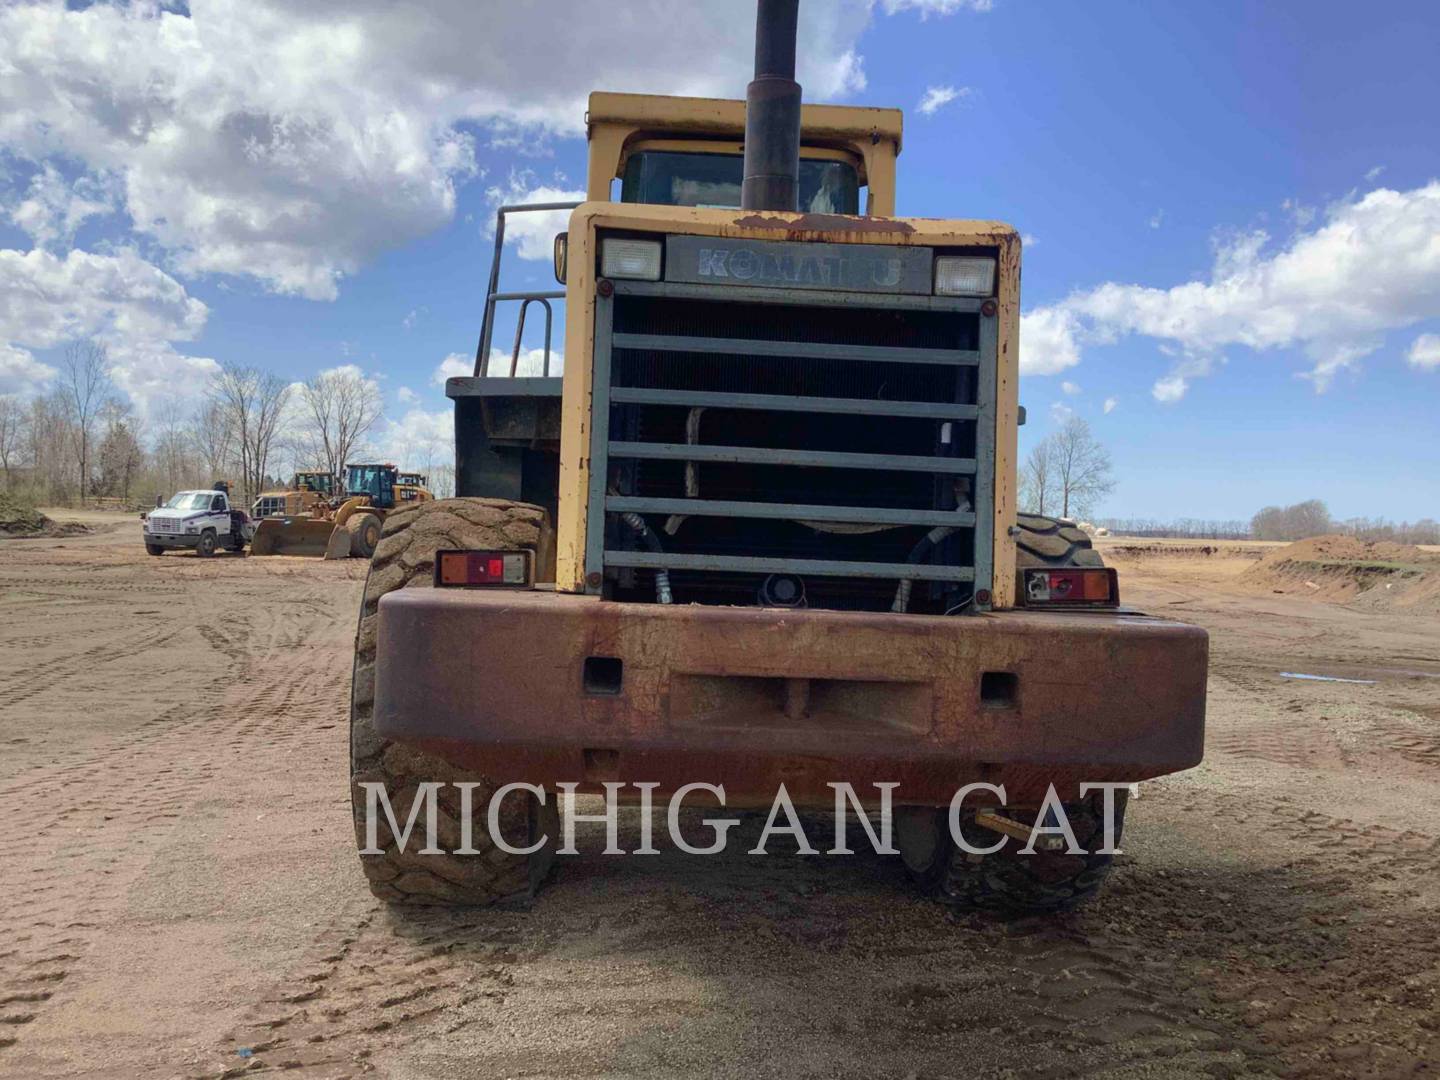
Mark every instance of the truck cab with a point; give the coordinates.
(202, 520)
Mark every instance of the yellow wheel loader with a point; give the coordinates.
(349, 526)
(762, 534)
(309, 493)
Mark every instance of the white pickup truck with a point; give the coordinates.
(203, 520)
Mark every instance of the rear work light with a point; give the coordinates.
(637, 259)
(482, 569)
(961, 275)
(1073, 587)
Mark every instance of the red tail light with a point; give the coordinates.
(1072, 587)
(495, 569)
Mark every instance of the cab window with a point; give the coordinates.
(672, 178)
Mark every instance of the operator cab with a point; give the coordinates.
(375, 481)
(696, 173)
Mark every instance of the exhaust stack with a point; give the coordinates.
(772, 113)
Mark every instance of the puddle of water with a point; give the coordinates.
(1325, 678)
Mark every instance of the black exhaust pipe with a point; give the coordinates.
(772, 113)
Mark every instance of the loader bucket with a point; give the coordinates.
(294, 536)
(342, 540)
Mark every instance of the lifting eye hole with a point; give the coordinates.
(999, 689)
(603, 674)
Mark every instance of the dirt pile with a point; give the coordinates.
(20, 520)
(1342, 568)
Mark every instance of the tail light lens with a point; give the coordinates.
(485, 569)
(1072, 587)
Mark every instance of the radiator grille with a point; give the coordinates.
(786, 433)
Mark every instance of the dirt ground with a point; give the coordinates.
(181, 898)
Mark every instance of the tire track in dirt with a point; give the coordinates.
(110, 809)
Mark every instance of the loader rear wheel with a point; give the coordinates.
(1009, 882)
(365, 536)
(1047, 541)
(404, 559)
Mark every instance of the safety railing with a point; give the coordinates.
(493, 296)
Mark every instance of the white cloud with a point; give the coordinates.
(1048, 341)
(46, 300)
(936, 98)
(455, 366)
(1109, 405)
(294, 142)
(1029, 240)
(1060, 412)
(1070, 388)
(1170, 389)
(1157, 219)
(935, 7)
(1371, 265)
(1424, 352)
(1373, 174)
(20, 372)
(419, 440)
(52, 208)
(406, 396)
(152, 374)
(531, 235)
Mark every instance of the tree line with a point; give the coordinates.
(83, 441)
(1299, 521)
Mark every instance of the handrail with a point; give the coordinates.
(493, 296)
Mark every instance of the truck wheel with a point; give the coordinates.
(365, 536)
(1007, 881)
(1047, 541)
(155, 549)
(206, 547)
(404, 559)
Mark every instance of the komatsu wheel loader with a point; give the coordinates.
(761, 532)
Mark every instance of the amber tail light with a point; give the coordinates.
(482, 569)
(1087, 586)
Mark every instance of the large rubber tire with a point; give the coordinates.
(1047, 541)
(155, 549)
(365, 536)
(404, 559)
(1011, 883)
(207, 544)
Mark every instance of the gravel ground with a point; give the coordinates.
(181, 896)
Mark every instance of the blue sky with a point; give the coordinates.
(1141, 149)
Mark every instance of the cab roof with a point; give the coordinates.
(723, 116)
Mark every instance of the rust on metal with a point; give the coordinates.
(800, 226)
(714, 694)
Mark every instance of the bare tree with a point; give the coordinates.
(13, 433)
(1297, 522)
(213, 439)
(1037, 481)
(85, 386)
(251, 402)
(1081, 466)
(343, 406)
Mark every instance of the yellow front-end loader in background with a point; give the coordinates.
(347, 527)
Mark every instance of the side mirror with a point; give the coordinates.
(562, 251)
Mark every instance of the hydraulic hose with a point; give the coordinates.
(662, 577)
(917, 555)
